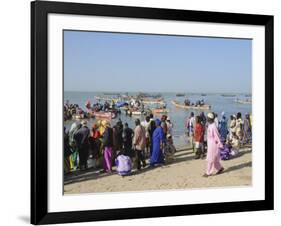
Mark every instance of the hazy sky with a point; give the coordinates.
(98, 61)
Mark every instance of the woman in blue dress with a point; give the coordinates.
(158, 140)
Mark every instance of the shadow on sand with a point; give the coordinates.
(91, 174)
(238, 167)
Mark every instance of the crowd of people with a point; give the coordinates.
(69, 110)
(151, 141)
(208, 135)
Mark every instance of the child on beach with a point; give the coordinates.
(198, 138)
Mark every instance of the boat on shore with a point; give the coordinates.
(199, 107)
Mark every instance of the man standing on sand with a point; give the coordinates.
(128, 134)
(145, 124)
(169, 126)
(151, 128)
(214, 143)
(82, 142)
(198, 138)
(190, 128)
(139, 143)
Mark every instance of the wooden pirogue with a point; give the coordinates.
(199, 107)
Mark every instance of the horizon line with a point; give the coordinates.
(114, 91)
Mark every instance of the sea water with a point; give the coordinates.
(178, 116)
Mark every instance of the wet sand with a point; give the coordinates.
(183, 173)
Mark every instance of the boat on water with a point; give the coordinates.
(148, 95)
(228, 95)
(180, 95)
(105, 115)
(199, 107)
(153, 101)
(203, 94)
(239, 101)
(159, 110)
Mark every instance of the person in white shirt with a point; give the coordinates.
(146, 124)
(169, 126)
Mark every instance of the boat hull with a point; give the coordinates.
(105, 115)
(203, 107)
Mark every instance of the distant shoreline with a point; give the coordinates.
(172, 92)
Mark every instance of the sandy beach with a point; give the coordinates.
(183, 173)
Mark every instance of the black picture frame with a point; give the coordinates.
(39, 112)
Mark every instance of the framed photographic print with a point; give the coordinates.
(145, 112)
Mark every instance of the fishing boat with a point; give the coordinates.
(148, 95)
(153, 101)
(199, 107)
(239, 101)
(106, 98)
(180, 94)
(203, 94)
(133, 111)
(228, 95)
(104, 115)
(159, 110)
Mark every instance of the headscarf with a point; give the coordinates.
(73, 129)
(210, 115)
(95, 126)
(158, 122)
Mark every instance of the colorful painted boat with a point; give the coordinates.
(160, 110)
(105, 115)
(201, 107)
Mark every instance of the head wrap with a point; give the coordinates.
(210, 115)
(84, 122)
(158, 122)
